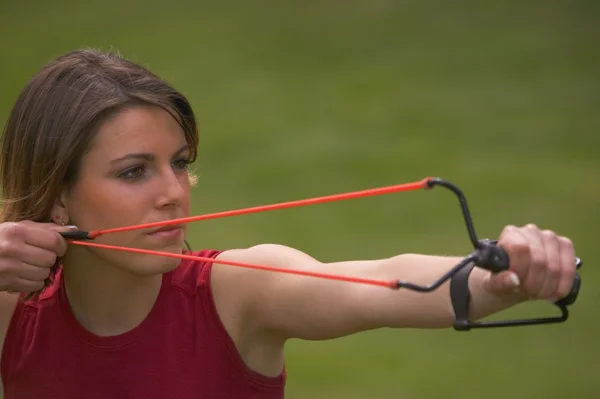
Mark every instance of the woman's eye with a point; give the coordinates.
(182, 163)
(139, 171)
(132, 173)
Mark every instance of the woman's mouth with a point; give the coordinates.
(174, 231)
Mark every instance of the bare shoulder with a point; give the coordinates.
(244, 293)
(239, 295)
(241, 284)
(267, 255)
(246, 282)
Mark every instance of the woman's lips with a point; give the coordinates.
(168, 232)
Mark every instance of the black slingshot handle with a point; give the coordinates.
(494, 258)
(490, 256)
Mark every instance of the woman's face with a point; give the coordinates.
(135, 172)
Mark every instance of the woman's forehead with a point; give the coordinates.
(139, 128)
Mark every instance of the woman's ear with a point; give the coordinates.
(60, 212)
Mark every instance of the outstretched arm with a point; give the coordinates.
(291, 306)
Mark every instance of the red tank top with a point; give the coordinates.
(180, 351)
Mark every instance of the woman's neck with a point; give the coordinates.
(105, 299)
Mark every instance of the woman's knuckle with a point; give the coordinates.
(565, 241)
(9, 249)
(14, 229)
(9, 238)
(548, 234)
(5, 247)
(531, 226)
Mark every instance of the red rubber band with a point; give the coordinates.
(422, 184)
(380, 283)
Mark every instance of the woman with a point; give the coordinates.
(95, 141)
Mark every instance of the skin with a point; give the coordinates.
(269, 308)
(113, 191)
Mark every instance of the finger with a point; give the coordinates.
(516, 246)
(536, 270)
(24, 285)
(503, 282)
(31, 255)
(46, 237)
(32, 273)
(48, 226)
(553, 271)
(44, 225)
(61, 229)
(568, 267)
(41, 234)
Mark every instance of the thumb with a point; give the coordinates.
(62, 229)
(50, 226)
(503, 283)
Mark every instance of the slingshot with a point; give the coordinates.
(486, 254)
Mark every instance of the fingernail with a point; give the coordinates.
(72, 227)
(514, 280)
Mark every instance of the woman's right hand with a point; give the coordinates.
(28, 250)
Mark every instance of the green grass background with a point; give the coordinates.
(301, 99)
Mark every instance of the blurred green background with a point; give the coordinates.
(302, 99)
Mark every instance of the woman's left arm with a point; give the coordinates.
(292, 306)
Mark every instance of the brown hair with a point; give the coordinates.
(56, 115)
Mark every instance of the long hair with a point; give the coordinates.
(54, 120)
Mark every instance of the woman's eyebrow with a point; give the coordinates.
(145, 156)
(182, 149)
(148, 157)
